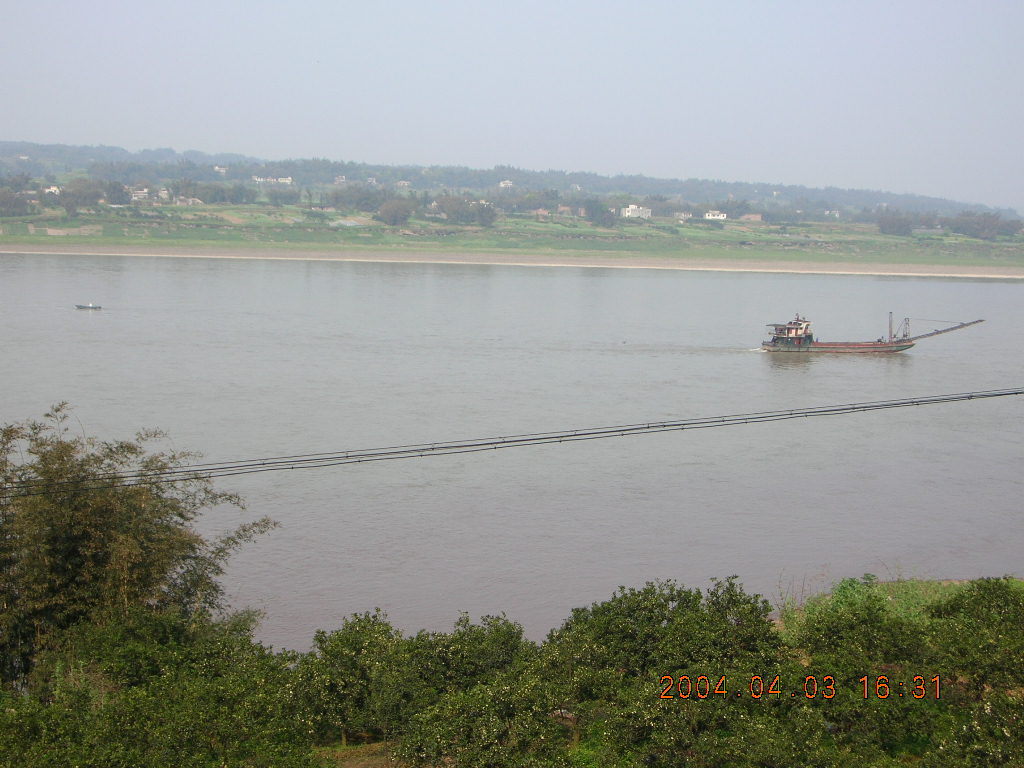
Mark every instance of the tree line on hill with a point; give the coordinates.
(982, 225)
(116, 650)
(21, 195)
(161, 166)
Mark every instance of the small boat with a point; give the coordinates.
(90, 305)
(796, 336)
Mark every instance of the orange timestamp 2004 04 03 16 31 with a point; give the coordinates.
(812, 687)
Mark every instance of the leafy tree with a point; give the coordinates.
(358, 197)
(155, 689)
(531, 200)
(19, 182)
(343, 677)
(984, 226)
(114, 651)
(855, 633)
(365, 680)
(283, 195)
(733, 208)
(597, 212)
(115, 193)
(640, 631)
(642, 634)
(992, 735)
(978, 634)
(80, 193)
(509, 721)
(438, 663)
(643, 730)
(77, 546)
(660, 205)
(856, 624)
(895, 223)
(395, 213)
(13, 204)
(486, 214)
(457, 209)
(183, 187)
(238, 194)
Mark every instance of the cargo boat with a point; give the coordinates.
(797, 336)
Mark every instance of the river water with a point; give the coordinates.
(252, 358)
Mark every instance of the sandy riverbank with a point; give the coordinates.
(615, 261)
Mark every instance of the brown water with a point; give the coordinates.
(240, 359)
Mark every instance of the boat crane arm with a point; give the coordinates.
(945, 330)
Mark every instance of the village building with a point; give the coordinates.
(633, 211)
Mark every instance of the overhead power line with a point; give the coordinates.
(392, 453)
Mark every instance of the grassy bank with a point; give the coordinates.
(301, 230)
(907, 599)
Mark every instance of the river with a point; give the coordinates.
(251, 358)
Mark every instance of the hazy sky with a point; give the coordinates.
(914, 96)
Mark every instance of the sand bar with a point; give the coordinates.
(527, 259)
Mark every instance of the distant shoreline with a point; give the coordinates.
(526, 259)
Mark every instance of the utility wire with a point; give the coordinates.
(139, 477)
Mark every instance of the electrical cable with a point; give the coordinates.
(209, 470)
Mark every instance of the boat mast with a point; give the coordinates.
(890, 327)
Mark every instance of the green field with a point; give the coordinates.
(300, 229)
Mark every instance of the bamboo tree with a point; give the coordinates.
(76, 546)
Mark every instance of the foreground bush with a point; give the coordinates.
(116, 650)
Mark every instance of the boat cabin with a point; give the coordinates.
(796, 332)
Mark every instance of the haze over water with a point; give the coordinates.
(244, 359)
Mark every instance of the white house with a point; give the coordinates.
(635, 212)
(715, 216)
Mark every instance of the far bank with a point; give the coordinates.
(619, 260)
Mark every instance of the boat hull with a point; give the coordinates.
(840, 346)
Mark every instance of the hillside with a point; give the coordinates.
(156, 166)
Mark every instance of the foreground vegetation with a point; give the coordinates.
(117, 651)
